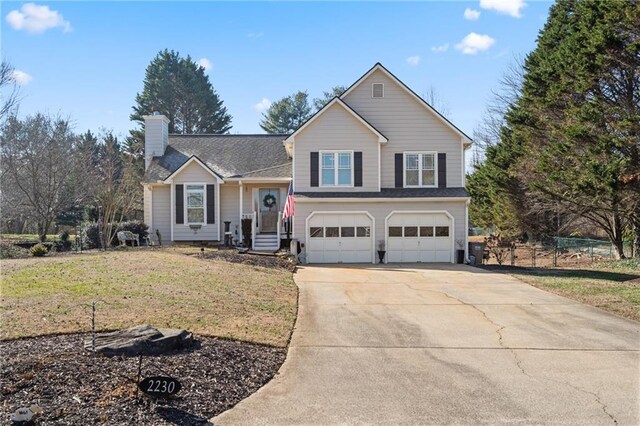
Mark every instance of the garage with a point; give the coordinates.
(419, 237)
(340, 237)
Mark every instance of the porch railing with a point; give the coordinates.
(279, 226)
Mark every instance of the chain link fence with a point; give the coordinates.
(559, 251)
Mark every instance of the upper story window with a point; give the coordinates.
(377, 90)
(337, 168)
(419, 169)
(195, 204)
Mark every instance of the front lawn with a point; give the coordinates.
(613, 286)
(162, 287)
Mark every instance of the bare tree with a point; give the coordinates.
(9, 90)
(434, 99)
(40, 175)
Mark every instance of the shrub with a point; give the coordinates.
(8, 250)
(64, 242)
(91, 234)
(39, 250)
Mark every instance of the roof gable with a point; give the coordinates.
(339, 102)
(191, 160)
(379, 67)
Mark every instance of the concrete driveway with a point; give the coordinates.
(446, 344)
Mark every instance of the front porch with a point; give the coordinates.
(259, 224)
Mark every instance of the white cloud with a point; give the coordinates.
(474, 43)
(205, 63)
(441, 48)
(413, 60)
(505, 7)
(263, 105)
(21, 78)
(471, 15)
(36, 19)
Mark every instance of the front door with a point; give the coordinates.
(269, 201)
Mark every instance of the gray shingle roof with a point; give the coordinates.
(390, 193)
(226, 155)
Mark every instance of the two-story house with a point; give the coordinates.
(375, 168)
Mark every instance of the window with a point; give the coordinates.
(395, 231)
(410, 231)
(337, 169)
(426, 231)
(419, 169)
(347, 231)
(363, 231)
(377, 90)
(442, 231)
(331, 232)
(316, 232)
(195, 203)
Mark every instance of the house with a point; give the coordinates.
(375, 167)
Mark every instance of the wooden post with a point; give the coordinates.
(93, 327)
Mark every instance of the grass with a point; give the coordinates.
(162, 287)
(613, 286)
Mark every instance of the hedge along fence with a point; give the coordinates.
(91, 233)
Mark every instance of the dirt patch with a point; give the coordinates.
(265, 261)
(73, 387)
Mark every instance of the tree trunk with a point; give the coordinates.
(635, 245)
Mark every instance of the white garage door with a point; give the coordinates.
(419, 237)
(340, 238)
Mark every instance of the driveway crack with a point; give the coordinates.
(517, 359)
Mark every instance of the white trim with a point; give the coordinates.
(185, 207)
(150, 189)
(464, 163)
(217, 207)
(379, 67)
(379, 200)
(241, 186)
(452, 232)
(379, 171)
(404, 169)
(336, 168)
(466, 231)
(173, 207)
(372, 91)
(381, 138)
(171, 177)
(257, 180)
(373, 230)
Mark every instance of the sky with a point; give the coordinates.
(87, 60)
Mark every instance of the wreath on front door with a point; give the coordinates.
(269, 201)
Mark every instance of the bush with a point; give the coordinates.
(39, 250)
(8, 250)
(64, 242)
(91, 234)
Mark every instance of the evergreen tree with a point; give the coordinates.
(287, 114)
(178, 88)
(335, 91)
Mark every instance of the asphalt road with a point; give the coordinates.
(446, 344)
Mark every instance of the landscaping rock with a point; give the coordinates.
(143, 339)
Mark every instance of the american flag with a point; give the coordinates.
(288, 205)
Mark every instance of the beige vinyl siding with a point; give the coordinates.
(379, 211)
(230, 207)
(407, 124)
(336, 129)
(161, 219)
(194, 174)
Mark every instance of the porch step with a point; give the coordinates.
(267, 242)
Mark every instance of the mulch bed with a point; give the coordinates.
(250, 259)
(73, 387)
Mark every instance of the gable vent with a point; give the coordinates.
(377, 90)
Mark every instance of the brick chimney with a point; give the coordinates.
(156, 136)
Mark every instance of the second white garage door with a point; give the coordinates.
(419, 237)
(340, 238)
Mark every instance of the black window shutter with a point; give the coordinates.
(313, 179)
(179, 203)
(442, 170)
(211, 204)
(399, 171)
(357, 169)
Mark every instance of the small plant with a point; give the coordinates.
(39, 250)
(381, 245)
(460, 244)
(498, 247)
(64, 241)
